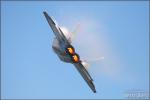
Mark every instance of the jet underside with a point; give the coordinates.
(60, 44)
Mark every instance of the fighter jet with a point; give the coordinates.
(66, 52)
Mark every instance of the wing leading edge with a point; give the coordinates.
(56, 30)
(85, 75)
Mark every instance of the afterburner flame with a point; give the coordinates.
(70, 50)
(75, 58)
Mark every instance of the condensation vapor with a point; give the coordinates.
(94, 46)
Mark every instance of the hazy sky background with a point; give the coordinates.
(117, 31)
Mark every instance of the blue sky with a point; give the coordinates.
(117, 31)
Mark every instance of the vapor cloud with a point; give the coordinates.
(94, 46)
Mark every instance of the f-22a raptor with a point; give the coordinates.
(66, 52)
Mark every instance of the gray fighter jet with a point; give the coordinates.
(66, 52)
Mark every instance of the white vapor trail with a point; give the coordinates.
(92, 42)
(94, 45)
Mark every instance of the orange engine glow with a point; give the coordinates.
(70, 50)
(75, 58)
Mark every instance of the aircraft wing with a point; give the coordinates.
(56, 30)
(85, 75)
(61, 38)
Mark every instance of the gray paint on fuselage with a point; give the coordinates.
(60, 52)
